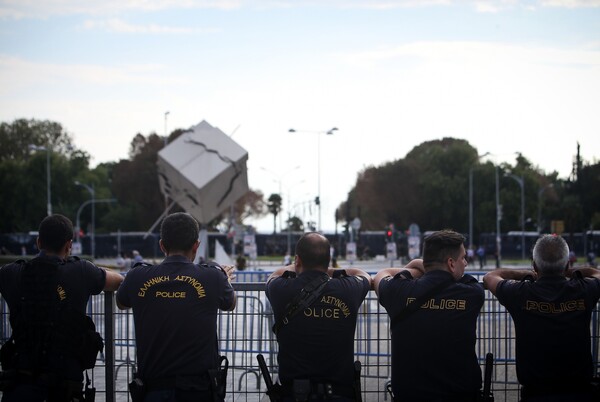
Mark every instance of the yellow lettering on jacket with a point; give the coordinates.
(171, 295)
(441, 304)
(61, 292)
(320, 312)
(195, 284)
(151, 282)
(339, 303)
(555, 308)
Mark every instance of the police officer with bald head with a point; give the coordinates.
(316, 345)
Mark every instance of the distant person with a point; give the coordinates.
(433, 308)
(470, 256)
(572, 259)
(334, 254)
(481, 256)
(287, 259)
(591, 259)
(316, 340)
(240, 262)
(175, 307)
(551, 308)
(137, 258)
(47, 298)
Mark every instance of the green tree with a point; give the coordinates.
(295, 224)
(274, 206)
(17, 137)
(135, 184)
(23, 173)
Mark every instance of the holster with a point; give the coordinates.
(357, 389)
(89, 393)
(137, 390)
(218, 379)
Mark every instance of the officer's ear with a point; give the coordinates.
(535, 268)
(297, 264)
(162, 247)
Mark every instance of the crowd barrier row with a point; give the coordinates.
(246, 332)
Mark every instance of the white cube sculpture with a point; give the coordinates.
(204, 171)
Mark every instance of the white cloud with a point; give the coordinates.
(119, 26)
(17, 75)
(45, 8)
(570, 3)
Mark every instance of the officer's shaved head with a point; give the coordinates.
(441, 245)
(551, 255)
(54, 232)
(313, 251)
(179, 232)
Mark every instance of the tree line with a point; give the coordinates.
(429, 186)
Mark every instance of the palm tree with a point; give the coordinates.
(274, 205)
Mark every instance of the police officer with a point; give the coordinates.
(175, 308)
(551, 308)
(433, 341)
(47, 298)
(316, 343)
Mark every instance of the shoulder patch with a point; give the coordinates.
(403, 275)
(341, 273)
(288, 274)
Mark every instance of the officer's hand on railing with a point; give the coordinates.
(230, 271)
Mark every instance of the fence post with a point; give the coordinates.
(109, 346)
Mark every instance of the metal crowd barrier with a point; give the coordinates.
(246, 331)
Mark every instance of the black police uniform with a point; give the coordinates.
(318, 343)
(76, 280)
(433, 348)
(552, 324)
(175, 308)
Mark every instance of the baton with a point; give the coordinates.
(266, 376)
(487, 378)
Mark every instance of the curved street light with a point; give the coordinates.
(93, 194)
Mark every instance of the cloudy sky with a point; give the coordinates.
(506, 75)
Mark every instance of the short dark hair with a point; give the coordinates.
(54, 232)
(441, 245)
(313, 251)
(179, 232)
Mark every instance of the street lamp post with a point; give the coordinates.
(83, 205)
(48, 181)
(521, 181)
(539, 218)
(93, 194)
(498, 217)
(471, 200)
(166, 138)
(329, 132)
